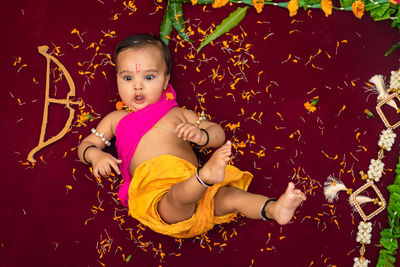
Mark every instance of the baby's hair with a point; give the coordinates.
(142, 40)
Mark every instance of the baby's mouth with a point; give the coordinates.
(139, 98)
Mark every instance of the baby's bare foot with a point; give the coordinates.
(283, 209)
(213, 171)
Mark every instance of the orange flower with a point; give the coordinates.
(258, 4)
(119, 105)
(293, 6)
(194, 2)
(326, 6)
(169, 96)
(310, 107)
(219, 3)
(358, 8)
(393, 2)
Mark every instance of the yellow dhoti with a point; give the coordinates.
(154, 177)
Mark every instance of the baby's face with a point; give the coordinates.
(141, 76)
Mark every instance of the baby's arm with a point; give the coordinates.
(90, 149)
(190, 132)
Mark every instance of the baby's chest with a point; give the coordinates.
(172, 119)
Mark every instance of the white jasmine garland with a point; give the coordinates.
(364, 232)
(361, 262)
(386, 139)
(395, 80)
(375, 169)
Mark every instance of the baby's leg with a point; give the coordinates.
(179, 203)
(231, 199)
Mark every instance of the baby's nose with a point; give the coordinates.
(138, 86)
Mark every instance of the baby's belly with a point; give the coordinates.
(150, 147)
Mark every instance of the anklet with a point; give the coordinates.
(84, 152)
(200, 181)
(263, 215)
(101, 136)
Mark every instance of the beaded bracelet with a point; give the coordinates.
(201, 181)
(263, 215)
(201, 118)
(84, 152)
(101, 136)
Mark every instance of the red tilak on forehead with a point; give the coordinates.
(137, 68)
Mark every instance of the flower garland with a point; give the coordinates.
(390, 235)
(379, 10)
(374, 174)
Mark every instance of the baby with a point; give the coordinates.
(164, 187)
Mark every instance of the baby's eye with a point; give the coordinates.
(149, 77)
(127, 78)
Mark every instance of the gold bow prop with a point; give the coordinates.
(67, 102)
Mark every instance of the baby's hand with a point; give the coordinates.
(189, 132)
(102, 163)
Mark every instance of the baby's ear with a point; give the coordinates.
(166, 81)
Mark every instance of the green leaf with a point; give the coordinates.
(371, 7)
(176, 16)
(201, 2)
(205, 2)
(378, 12)
(128, 258)
(247, 2)
(346, 3)
(311, 2)
(166, 26)
(394, 47)
(396, 22)
(386, 259)
(226, 25)
(302, 3)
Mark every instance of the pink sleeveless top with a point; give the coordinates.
(130, 130)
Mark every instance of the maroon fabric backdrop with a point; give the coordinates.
(50, 214)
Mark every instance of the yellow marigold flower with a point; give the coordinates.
(169, 96)
(326, 6)
(293, 6)
(393, 2)
(258, 4)
(219, 3)
(358, 8)
(194, 2)
(119, 105)
(310, 107)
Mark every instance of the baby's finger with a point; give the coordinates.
(195, 135)
(101, 172)
(186, 133)
(190, 132)
(107, 170)
(114, 165)
(95, 172)
(181, 132)
(179, 127)
(190, 136)
(117, 160)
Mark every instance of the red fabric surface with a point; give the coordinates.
(44, 224)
